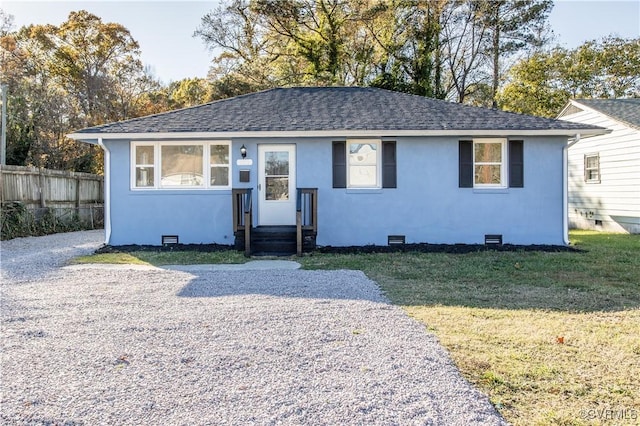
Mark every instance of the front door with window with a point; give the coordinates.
(277, 185)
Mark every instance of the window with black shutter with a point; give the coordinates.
(364, 163)
(465, 164)
(389, 164)
(490, 163)
(516, 164)
(339, 164)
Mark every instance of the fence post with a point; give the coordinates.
(78, 181)
(43, 203)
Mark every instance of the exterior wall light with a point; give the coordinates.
(243, 151)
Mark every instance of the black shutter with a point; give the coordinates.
(465, 164)
(339, 164)
(389, 164)
(516, 164)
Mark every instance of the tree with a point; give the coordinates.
(512, 25)
(81, 73)
(464, 41)
(544, 82)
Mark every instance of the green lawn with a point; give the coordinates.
(552, 338)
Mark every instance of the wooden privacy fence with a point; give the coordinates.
(59, 197)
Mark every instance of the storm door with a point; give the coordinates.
(277, 185)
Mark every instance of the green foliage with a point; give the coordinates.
(61, 78)
(16, 220)
(543, 83)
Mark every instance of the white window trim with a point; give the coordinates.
(586, 169)
(378, 143)
(504, 182)
(157, 166)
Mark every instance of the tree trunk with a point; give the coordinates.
(496, 56)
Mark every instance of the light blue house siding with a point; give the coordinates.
(427, 205)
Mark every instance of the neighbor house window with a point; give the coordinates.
(177, 165)
(592, 168)
(488, 162)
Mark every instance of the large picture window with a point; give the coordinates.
(178, 165)
(181, 165)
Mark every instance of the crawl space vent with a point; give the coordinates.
(493, 239)
(169, 240)
(395, 240)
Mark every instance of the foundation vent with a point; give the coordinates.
(493, 239)
(396, 240)
(169, 240)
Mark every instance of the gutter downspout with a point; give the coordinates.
(107, 191)
(565, 187)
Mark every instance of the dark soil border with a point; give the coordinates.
(404, 248)
(446, 248)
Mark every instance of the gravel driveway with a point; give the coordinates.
(143, 345)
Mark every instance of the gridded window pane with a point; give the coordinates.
(219, 154)
(144, 155)
(363, 169)
(277, 163)
(144, 177)
(487, 174)
(219, 176)
(181, 165)
(277, 188)
(488, 152)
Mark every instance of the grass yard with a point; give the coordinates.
(158, 258)
(552, 338)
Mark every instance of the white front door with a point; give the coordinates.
(276, 184)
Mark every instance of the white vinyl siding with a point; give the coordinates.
(616, 200)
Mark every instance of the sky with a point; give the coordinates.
(164, 29)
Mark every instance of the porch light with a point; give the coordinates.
(243, 151)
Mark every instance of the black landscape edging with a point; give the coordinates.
(404, 248)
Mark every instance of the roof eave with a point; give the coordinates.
(93, 137)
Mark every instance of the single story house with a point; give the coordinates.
(347, 165)
(604, 170)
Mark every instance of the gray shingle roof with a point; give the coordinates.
(624, 110)
(330, 108)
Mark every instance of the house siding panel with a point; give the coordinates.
(426, 206)
(615, 201)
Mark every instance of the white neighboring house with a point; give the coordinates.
(604, 171)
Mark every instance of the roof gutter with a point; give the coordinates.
(565, 187)
(92, 137)
(107, 191)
